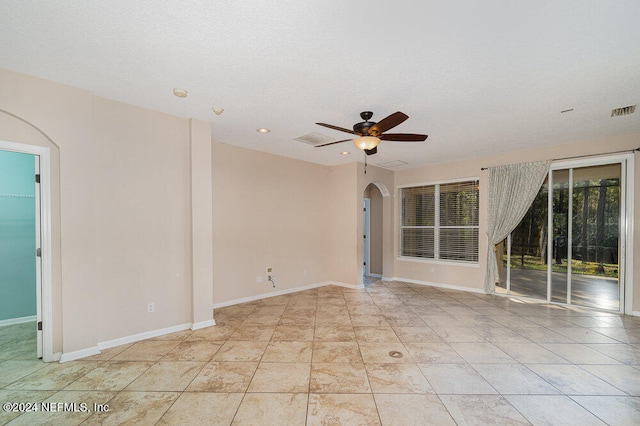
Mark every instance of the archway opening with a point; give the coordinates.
(18, 136)
(373, 233)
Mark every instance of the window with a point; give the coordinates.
(440, 222)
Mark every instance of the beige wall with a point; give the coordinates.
(201, 223)
(269, 211)
(121, 230)
(142, 216)
(473, 277)
(346, 237)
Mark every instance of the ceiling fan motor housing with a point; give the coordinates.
(363, 127)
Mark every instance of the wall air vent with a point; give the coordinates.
(314, 139)
(617, 112)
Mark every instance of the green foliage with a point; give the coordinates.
(595, 219)
(577, 266)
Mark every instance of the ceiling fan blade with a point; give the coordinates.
(387, 123)
(331, 143)
(403, 137)
(342, 129)
(371, 151)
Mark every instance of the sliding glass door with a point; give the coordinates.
(568, 247)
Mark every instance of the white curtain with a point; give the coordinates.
(512, 189)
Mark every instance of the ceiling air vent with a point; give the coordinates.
(389, 164)
(314, 139)
(617, 112)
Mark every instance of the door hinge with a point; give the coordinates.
(38, 178)
(39, 325)
(38, 252)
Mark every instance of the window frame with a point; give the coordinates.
(437, 226)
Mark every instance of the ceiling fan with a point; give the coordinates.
(369, 133)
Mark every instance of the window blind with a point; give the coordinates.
(440, 221)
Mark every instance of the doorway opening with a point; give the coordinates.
(25, 260)
(367, 238)
(570, 248)
(372, 234)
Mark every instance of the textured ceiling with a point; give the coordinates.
(477, 77)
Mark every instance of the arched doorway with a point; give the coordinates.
(373, 233)
(22, 139)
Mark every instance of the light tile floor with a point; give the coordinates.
(322, 357)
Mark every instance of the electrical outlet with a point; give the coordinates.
(269, 270)
(258, 280)
(150, 308)
(305, 273)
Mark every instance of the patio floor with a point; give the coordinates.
(586, 290)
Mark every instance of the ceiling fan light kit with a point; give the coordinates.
(366, 142)
(369, 133)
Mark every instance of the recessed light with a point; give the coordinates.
(263, 130)
(217, 110)
(181, 93)
(345, 153)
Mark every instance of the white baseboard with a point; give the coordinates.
(267, 295)
(83, 353)
(375, 275)
(142, 336)
(439, 285)
(95, 350)
(635, 313)
(203, 324)
(12, 321)
(352, 286)
(287, 291)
